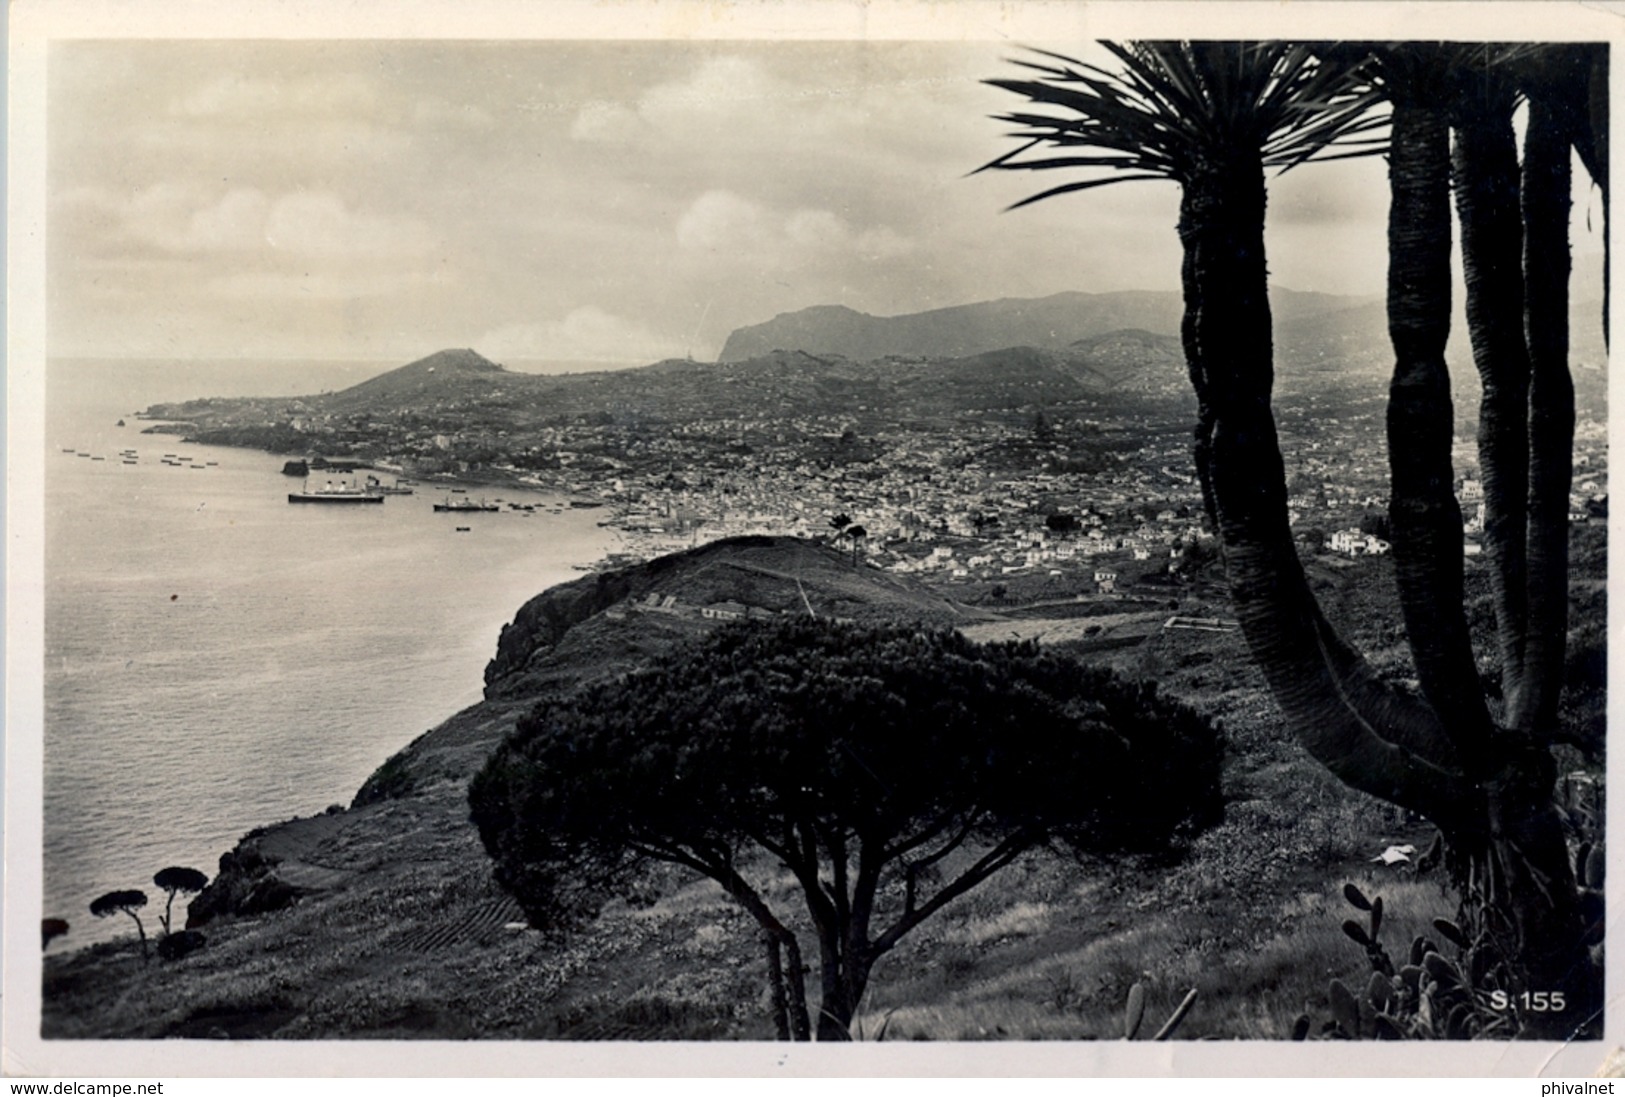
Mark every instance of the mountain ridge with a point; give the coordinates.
(957, 331)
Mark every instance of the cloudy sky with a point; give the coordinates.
(610, 201)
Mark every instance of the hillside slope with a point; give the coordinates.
(442, 376)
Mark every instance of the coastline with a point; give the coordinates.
(480, 478)
(236, 799)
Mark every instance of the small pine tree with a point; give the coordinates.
(174, 879)
(50, 930)
(124, 902)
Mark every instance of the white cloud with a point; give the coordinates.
(717, 84)
(236, 222)
(721, 92)
(441, 113)
(815, 228)
(607, 123)
(724, 224)
(319, 223)
(236, 96)
(722, 221)
(587, 333)
(308, 285)
(822, 232)
(188, 218)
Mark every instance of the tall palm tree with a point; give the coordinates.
(1212, 117)
(1565, 110)
(1486, 183)
(1515, 252)
(1420, 82)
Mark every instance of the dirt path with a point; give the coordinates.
(1055, 630)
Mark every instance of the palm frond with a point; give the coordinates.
(1170, 108)
(1087, 184)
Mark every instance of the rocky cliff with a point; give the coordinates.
(588, 628)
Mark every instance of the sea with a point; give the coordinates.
(217, 658)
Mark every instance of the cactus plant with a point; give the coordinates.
(1596, 867)
(1368, 938)
(1356, 897)
(1441, 970)
(1387, 1028)
(1451, 932)
(1135, 1013)
(1434, 995)
(1345, 1010)
(1379, 992)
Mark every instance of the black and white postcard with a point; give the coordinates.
(1021, 538)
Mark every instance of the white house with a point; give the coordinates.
(1357, 542)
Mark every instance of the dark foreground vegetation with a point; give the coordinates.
(889, 770)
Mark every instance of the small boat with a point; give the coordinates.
(464, 529)
(334, 493)
(98, 458)
(379, 488)
(120, 422)
(464, 506)
(211, 464)
(67, 449)
(131, 461)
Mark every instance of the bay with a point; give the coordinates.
(217, 659)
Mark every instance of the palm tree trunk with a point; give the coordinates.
(1526, 852)
(1529, 854)
(1546, 183)
(1227, 328)
(1189, 329)
(1426, 519)
(1486, 164)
